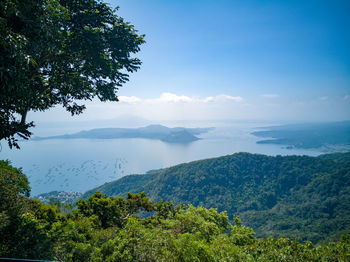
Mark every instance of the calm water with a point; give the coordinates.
(81, 164)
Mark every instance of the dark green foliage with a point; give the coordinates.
(24, 223)
(293, 196)
(57, 52)
(13, 184)
(113, 211)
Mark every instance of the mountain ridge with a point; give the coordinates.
(268, 193)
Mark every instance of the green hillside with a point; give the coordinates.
(300, 197)
(135, 228)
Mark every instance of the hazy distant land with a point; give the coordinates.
(159, 132)
(333, 136)
(80, 164)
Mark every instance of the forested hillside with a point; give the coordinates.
(301, 197)
(134, 228)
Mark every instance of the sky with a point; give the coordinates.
(233, 60)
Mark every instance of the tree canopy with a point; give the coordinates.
(60, 52)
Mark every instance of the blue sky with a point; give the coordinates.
(241, 47)
(226, 59)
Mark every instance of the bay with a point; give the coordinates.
(81, 164)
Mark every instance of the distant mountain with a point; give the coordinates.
(284, 196)
(171, 135)
(184, 136)
(333, 136)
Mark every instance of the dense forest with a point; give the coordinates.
(135, 228)
(301, 197)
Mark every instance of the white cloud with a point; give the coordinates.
(174, 98)
(170, 106)
(170, 97)
(129, 99)
(221, 98)
(270, 95)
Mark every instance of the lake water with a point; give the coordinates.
(82, 164)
